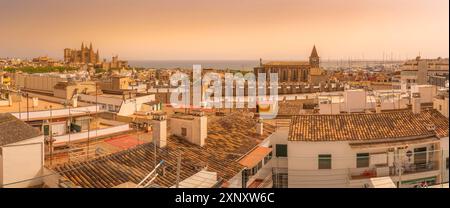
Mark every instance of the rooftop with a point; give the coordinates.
(285, 63)
(14, 130)
(22, 105)
(229, 138)
(361, 127)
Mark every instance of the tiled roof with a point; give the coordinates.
(228, 139)
(255, 156)
(355, 127)
(13, 130)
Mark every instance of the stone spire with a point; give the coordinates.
(314, 59)
(314, 53)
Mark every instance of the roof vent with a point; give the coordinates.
(431, 127)
(197, 113)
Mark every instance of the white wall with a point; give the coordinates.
(444, 148)
(59, 128)
(22, 161)
(130, 106)
(196, 129)
(303, 162)
(304, 155)
(57, 112)
(329, 108)
(279, 137)
(441, 105)
(427, 92)
(127, 107)
(355, 100)
(92, 133)
(236, 181)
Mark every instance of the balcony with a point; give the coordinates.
(382, 171)
(421, 167)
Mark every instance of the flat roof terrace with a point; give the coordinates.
(21, 106)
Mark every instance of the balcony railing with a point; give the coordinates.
(421, 167)
(65, 112)
(381, 171)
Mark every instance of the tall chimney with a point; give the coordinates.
(75, 101)
(159, 123)
(260, 127)
(415, 102)
(200, 128)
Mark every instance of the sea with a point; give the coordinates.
(242, 65)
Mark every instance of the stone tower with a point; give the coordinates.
(314, 58)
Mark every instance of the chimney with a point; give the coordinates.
(259, 127)
(431, 127)
(200, 128)
(10, 100)
(415, 102)
(75, 101)
(35, 101)
(159, 123)
(191, 127)
(378, 107)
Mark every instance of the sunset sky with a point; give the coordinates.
(231, 29)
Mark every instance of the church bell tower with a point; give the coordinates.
(314, 58)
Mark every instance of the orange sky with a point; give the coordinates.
(232, 29)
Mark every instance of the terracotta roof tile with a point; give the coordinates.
(353, 127)
(228, 139)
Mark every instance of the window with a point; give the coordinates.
(183, 132)
(420, 156)
(259, 165)
(46, 130)
(253, 171)
(362, 160)
(324, 161)
(267, 158)
(446, 163)
(440, 107)
(281, 150)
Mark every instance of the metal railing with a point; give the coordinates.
(410, 168)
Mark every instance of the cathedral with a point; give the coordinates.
(85, 55)
(290, 71)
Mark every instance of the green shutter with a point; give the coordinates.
(46, 130)
(281, 150)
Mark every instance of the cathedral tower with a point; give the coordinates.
(314, 58)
